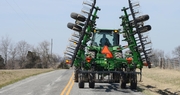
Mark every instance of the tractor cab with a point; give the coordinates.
(105, 37)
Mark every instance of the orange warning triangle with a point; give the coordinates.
(106, 51)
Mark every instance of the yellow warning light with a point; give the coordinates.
(67, 61)
(94, 30)
(75, 43)
(115, 31)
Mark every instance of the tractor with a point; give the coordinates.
(97, 54)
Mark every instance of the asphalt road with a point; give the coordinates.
(103, 89)
(60, 82)
(51, 83)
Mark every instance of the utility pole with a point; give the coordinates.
(51, 47)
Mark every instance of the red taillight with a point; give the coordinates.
(88, 59)
(129, 60)
(145, 64)
(118, 48)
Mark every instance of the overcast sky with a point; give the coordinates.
(37, 20)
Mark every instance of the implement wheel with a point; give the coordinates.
(78, 17)
(74, 27)
(116, 77)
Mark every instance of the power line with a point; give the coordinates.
(24, 13)
(40, 35)
(19, 15)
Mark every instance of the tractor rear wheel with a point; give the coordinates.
(133, 84)
(75, 76)
(81, 81)
(91, 80)
(91, 84)
(123, 81)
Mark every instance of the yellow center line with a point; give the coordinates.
(70, 88)
(70, 82)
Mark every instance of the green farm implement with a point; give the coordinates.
(97, 55)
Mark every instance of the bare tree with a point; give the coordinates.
(176, 59)
(44, 48)
(12, 56)
(176, 52)
(22, 49)
(2, 65)
(55, 60)
(157, 54)
(37, 50)
(167, 63)
(4, 48)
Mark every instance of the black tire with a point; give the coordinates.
(123, 82)
(133, 84)
(74, 27)
(145, 28)
(78, 17)
(123, 85)
(142, 18)
(81, 82)
(91, 84)
(116, 77)
(91, 81)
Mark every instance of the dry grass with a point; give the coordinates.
(11, 76)
(160, 81)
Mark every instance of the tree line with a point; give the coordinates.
(22, 55)
(166, 61)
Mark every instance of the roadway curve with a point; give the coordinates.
(60, 82)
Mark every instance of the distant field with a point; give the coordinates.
(160, 82)
(11, 76)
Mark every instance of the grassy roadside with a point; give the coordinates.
(11, 76)
(160, 82)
